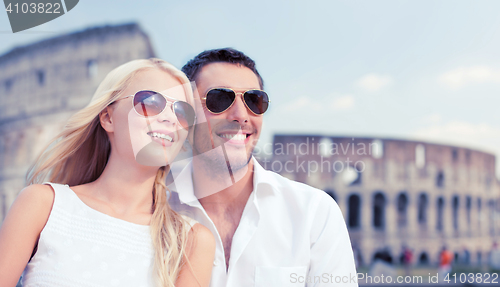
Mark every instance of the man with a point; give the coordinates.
(270, 231)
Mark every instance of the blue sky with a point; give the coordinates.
(427, 70)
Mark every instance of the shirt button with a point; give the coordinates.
(216, 262)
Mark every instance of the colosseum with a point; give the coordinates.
(44, 83)
(396, 193)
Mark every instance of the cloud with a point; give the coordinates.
(374, 82)
(342, 103)
(301, 103)
(432, 119)
(481, 136)
(460, 77)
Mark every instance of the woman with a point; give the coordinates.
(108, 222)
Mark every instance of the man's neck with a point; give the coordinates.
(234, 188)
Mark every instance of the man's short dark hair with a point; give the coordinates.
(224, 55)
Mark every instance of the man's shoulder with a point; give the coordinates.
(304, 205)
(294, 190)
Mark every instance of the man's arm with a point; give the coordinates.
(331, 252)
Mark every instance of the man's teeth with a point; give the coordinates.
(161, 136)
(238, 137)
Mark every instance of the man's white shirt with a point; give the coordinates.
(290, 234)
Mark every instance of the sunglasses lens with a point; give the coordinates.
(184, 113)
(257, 101)
(149, 103)
(218, 100)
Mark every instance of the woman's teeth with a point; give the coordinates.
(238, 137)
(161, 136)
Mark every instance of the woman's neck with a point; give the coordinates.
(126, 186)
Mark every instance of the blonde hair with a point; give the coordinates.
(80, 152)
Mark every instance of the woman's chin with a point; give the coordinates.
(154, 154)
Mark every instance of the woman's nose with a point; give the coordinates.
(167, 116)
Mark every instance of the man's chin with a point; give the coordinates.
(218, 160)
(239, 163)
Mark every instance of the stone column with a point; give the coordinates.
(391, 218)
(412, 214)
(367, 212)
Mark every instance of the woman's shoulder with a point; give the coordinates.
(32, 207)
(39, 195)
(201, 238)
(36, 201)
(201, 232)
(196, 229)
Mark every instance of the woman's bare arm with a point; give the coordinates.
(20, 230)
(197, 270)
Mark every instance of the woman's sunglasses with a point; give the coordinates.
(151, 103)
(220, 99)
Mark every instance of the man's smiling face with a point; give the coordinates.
(237, 129)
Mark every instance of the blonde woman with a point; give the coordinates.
(107, 221)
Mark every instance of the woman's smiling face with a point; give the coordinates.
(152, 140)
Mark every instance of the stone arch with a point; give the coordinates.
(352, 175)
(354, 205)
(92, 68)
(3, 150)
(379, 203)
(491, 216)
(466, 257)
(422, 209)
(479, 213)
(468, 209)
(455, 211)
(384, 255)
(440, 213)
(41, 78)
(440, 179)
(402, 208)
(423, 258)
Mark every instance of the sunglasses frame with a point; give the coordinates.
(236, 94)
(168, 99)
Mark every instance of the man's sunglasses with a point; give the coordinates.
(220, 99)
(151, 103)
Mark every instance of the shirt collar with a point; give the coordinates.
(264, 179)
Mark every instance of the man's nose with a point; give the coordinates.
(238, 111)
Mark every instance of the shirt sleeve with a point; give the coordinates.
(332, 259)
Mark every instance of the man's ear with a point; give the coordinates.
(105, 117)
